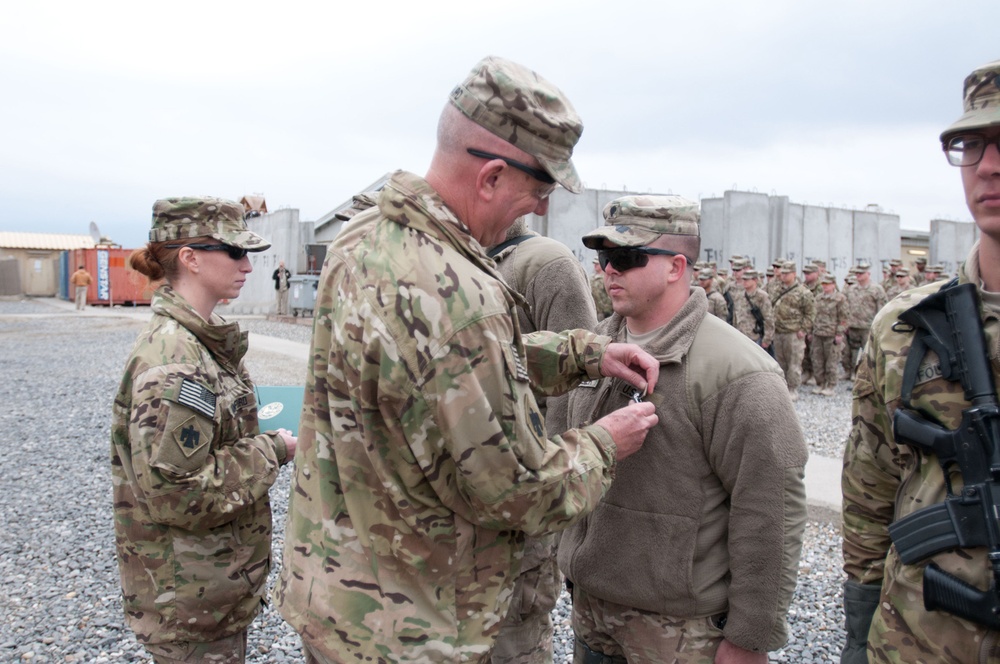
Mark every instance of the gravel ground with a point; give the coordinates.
(61, 603)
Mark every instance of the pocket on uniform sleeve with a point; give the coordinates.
(524, 422)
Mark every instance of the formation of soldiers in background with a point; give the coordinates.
(776, 309)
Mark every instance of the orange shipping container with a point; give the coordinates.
(112, 282)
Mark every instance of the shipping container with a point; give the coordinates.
(112, 282)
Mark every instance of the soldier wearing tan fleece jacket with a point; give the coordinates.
(692, 555)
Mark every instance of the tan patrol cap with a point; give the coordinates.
(705, 274)
(635, 221)
(810, 268)
(788, 266)
(522, 108)
(187, 217)
(751, 274)
(828, 279)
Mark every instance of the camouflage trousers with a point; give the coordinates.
(826, 360)
(624, 634)
(856, 337)
(788, 351)
(230, 650)
(525, 636)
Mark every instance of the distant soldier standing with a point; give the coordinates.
(918, 276)
(716, 303)
(902, 279)
(827, 339)
(864, 299)
(281, 276)
(794, 311)
(753, 314)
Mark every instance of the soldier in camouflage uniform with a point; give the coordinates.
(743, 317)
(794, 311)
(190, 468)
(692, 555)
(864, 299)
(933, 273)
(918, 276)
(829, 329)
(423, 457)
(557, 297)
(885, 480)
(716, 303)
(811, 280)
(600, 296)
(902, 279)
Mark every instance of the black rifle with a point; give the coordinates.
(758, 326)
(948, 323)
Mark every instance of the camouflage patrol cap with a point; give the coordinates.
(903, 272)
(769, 272)
(634, 221)
(819, 263)
(788, 266)
(359, 202)
(809, 268)
(734, 258)
(937, 267)
(981, 100)
(751, 274)
(525, 110)
(851, 279)
(828, 279)
(705, 274)
(188, 217)
(862, 267)
(895, 262)
(740, 264)
(920, 260)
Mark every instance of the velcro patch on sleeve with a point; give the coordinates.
(197, 397)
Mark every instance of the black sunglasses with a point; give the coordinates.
(536, 173)
(236, 253)
(626, 258)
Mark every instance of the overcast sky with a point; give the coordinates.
(107, 106)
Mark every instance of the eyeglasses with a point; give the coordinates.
(626, 258)
(236, 253)
(968, 149)
(537, 173)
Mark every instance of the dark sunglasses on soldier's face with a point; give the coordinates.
(236, 253)
(626, 258)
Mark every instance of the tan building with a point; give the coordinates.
(29, 262)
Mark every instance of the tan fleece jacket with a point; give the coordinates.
(708, 516)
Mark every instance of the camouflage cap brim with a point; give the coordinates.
(981, 101)
(190, 217)
(516, 104)
(632, 221)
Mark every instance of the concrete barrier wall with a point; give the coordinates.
(571, 216)
(950, 243)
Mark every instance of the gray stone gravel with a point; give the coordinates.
(60, 600)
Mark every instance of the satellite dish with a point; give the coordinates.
(95, 233)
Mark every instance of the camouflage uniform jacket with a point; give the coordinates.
(423, 459)
(831, 315)
(191, 472)
(863, 302)
(602, 301)
(794, 309)
(708, 516)
(717, 305)
(743, 318)
(884, 481)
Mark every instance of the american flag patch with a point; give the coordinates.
(197, 397)
(522, 373)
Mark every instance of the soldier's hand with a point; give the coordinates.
(628, 426)
(632, 364)
(291, 442)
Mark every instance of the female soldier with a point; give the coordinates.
(191, 469)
